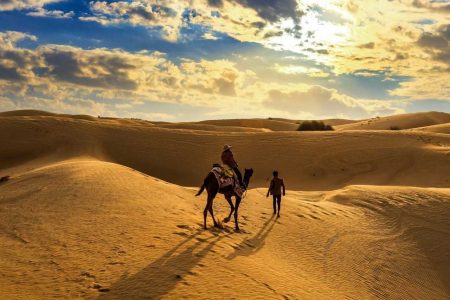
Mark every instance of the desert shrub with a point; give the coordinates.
(394, 128)
(314, 126)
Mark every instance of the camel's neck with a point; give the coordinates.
(246, 180)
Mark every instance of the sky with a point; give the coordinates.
(213, 59)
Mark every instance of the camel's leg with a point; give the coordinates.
(212, 213)
(205, 213)
(238, 201)
(227, 219)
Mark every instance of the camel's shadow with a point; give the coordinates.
(163, 274)
(252, 245)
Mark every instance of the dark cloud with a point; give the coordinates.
(428, 40)
(151, 14)
(432, 5)
(225, 87)
(444, 31)
(401, 56)
(100, 70)
(215, 3)
(370, 45)
(11, 74)
(273, 10)
(259, 25)
(270, 34)
(437, 44)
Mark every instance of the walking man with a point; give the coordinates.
(275, 190)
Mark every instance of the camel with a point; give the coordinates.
(212, 188)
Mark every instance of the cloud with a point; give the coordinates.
(57, 14)
(6, 104)
(370, 45)
(323, 102)
(434, 6)
(209, 36)
(428, 40)
(139, 13)
(299, 69)
(215, 3)
(273, 10)
(66, 72)
(437, 44)
(245, 20)
(6, 5)
(9, 38)
(112, 81)
(35, 8)
(432, 86)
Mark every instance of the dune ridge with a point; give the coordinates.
(439, 128)
(402, 121)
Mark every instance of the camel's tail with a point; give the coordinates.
(202, 188)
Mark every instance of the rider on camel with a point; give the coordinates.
(228, 159)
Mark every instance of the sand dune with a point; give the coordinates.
(440, 128)
(207, 127)
(26, 113)
(404, 121)
(274, 125)
(336, 122)
(40, 113)
(307, 160)
(87, 213)
(84, 228)
(332, 122)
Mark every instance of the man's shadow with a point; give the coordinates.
(254, 244)
(162, 275)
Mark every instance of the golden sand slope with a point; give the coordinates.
(85, 228)
(440, 128)
(306, 160)
(404, 121)
(215, 128)
(40, 113)
(274, 125)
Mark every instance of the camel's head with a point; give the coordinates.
(247, 175)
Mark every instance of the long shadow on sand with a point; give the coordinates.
(252, 245)
(162, 275)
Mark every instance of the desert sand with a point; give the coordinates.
(103, 208)
(404, 121)
(439, 128)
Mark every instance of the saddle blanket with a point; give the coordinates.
(222, 174)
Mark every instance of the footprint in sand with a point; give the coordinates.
(87, 274)
(101, 289)
(180, 233)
